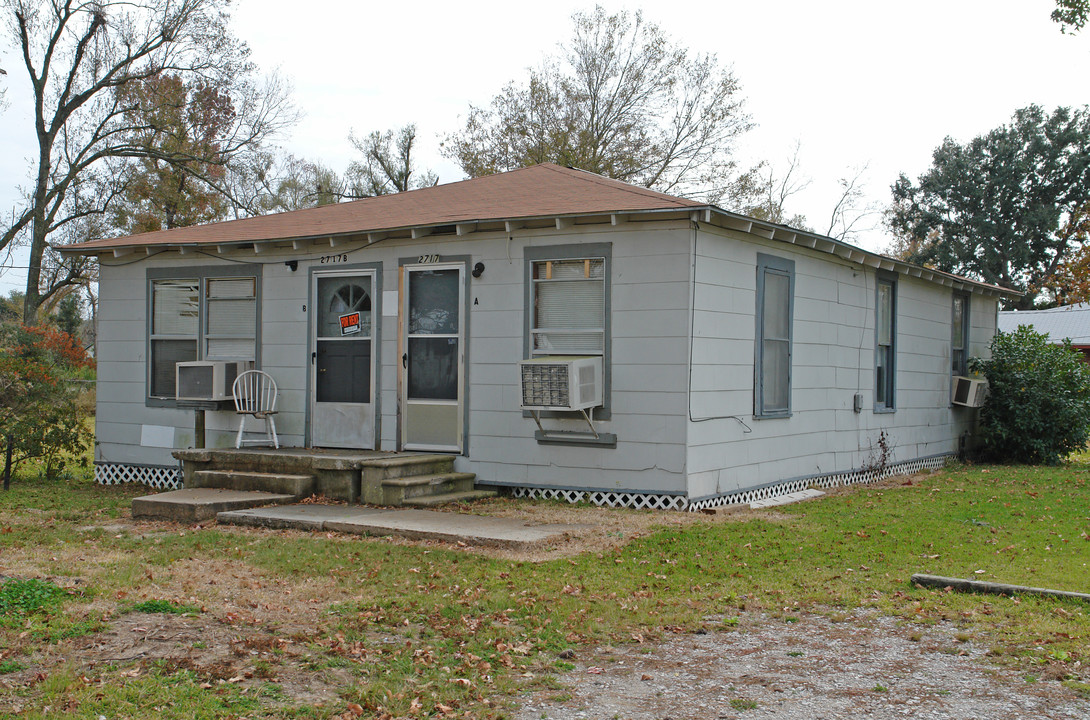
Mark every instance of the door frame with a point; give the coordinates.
(444, 262)
(375, 269)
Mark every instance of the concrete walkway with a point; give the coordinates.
(477, 530)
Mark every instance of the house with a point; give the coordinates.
(740, 359)
(1070, 322)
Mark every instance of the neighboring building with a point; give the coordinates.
(1071, 322)
(741, 358)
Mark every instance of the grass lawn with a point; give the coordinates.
(319, 626)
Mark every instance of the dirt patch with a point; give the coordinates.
(866, 666)
(216, 652)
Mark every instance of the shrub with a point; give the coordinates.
(38, 410)
(1038, 406)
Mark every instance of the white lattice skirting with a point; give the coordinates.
(653, 501)
(603, 498)
(165, 477)
(852, 477)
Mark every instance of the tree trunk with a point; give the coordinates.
(39, 227)
(7, 462)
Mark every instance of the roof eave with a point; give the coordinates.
(463, 226)
(832, 246)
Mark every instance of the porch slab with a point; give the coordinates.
(196, 504)
(412, 524)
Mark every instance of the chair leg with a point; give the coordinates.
(241, 426)
(272, 427)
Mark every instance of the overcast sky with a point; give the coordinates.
(856, 82)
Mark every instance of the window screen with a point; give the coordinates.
(568, 307)
(775, 307)
(174, 324)
(960, 335)
(885, 387)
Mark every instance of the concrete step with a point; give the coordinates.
(452, 497)
(402, 466)
(299, 486)
(395, 491)
(193, 505)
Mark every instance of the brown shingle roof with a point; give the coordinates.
(539, 191)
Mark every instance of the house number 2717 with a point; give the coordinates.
(425, 259)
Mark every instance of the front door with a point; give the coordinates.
(342, 398)
(433, 349)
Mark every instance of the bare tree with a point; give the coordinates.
(387, 165)
(776, 189)
(79, 57)
(623, 101)
(852, 210)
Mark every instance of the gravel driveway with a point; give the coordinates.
(813, 669)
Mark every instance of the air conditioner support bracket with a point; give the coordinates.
(588, 417)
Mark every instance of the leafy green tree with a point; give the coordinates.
(11, 307)
(997, 208)
(1038, 406)
(69, 318)
(38, 415)
(1071, 14)
(622, 101)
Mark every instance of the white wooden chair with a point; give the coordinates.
(255, 396)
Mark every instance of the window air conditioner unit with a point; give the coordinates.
(208, 379)
(561, 383)
(969, 392)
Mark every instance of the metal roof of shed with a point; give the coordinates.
(1070, 321)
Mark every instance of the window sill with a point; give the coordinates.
(773, 416)
(884, 410)
(578, 439)
(600, 413)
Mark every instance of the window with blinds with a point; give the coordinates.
(775, 315)
(175, 314)
(959, 322)
(569, 302)
(231, 323)
(885, 376)
(199, 318)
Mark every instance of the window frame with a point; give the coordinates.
(786, 268)
(888, 405)
(201, 274)
(587, 251)
(960, 367)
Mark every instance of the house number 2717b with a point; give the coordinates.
(334, 259)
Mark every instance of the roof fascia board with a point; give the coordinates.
(832, 246)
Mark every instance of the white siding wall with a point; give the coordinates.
(127, 429)
(649, 323)
(653, 308)
(649, 298)
(833, 358)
